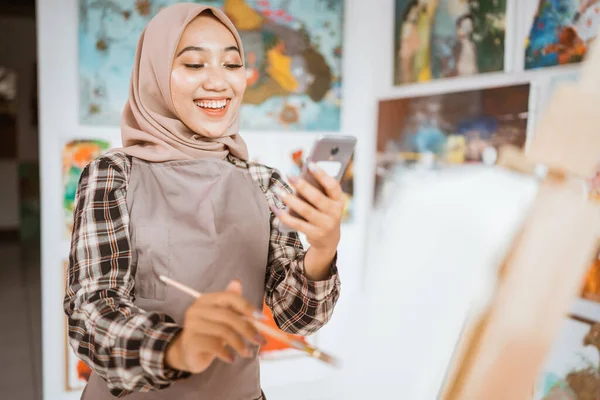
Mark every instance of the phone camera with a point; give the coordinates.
(335, 150)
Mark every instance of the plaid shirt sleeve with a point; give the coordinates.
(120, 342)
(299, 305)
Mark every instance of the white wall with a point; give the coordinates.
(18, 52)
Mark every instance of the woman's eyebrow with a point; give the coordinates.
(197, 48)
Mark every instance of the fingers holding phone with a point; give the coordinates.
(315, 213)
(331, 186)
(326, 201)
(317, 206)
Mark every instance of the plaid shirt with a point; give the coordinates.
(126, 345)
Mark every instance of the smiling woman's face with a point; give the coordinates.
(208, 78)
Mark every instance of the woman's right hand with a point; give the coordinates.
(214, 325)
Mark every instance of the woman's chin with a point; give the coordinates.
(210, 130)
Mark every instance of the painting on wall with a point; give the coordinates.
(571, 371)
(447, 38)
(561, 32)
(77, 154)
(452, 128)
(77, 372)
(293, 52)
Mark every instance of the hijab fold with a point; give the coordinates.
(150, 127)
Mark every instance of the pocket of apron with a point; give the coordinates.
(152, 248)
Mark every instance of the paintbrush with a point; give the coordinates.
(265, 329)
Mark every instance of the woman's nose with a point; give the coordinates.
(215, 79)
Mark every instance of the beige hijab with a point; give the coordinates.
(150, 127)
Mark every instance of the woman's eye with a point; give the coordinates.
(194, 66)
(233, 66)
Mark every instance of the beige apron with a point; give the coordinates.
(202, 222)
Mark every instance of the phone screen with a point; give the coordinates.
(331, 168)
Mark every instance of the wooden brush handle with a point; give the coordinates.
(513, 158)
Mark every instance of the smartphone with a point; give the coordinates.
(332, 154)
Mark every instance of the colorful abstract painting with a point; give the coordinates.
(561, 32)
(293, 54)
(571, 371)
(76, 155)
(445, 38)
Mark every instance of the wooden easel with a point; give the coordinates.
(503, 350)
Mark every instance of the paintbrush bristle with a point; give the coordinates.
(328, 359)
(324, 357)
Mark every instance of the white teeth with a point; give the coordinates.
(211, 103)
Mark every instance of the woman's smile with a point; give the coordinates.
(213, 107)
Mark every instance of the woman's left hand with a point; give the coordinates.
(322, 212)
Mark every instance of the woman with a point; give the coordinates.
(409, 44)
(465, 51)
(180, 199)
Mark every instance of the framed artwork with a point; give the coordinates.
(456, 128)
(446, 38)
(561, 32)
(76, 155)
(571, 371)
(293, 53)
(77, 372)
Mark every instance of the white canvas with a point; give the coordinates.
(434, 252)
